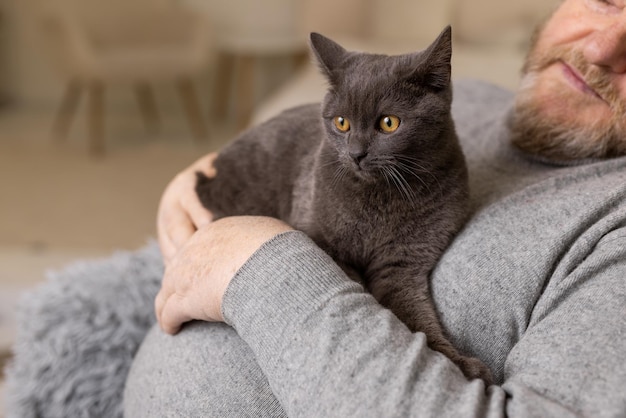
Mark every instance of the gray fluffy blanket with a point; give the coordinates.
(77, 335)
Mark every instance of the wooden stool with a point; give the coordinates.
(239, 57)
(147, 105)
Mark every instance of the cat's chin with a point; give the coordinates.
(365, 175)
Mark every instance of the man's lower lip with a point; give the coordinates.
(577, 82)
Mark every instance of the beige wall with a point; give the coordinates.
(29, 77)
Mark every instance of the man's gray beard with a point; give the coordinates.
(537, 133)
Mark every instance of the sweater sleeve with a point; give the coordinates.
(329, 349)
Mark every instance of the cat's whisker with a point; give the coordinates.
(401, 184)
(411, 195)
(389, 175)
(409, 158)
(411, 167)
(388, 167)
(330, 163)
(339, 174)
(413, 163)
(399, 168)
(384, 171)
(406, 169)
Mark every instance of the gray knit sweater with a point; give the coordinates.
(534, 285)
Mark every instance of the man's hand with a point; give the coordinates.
(180, 211)
(197, 276)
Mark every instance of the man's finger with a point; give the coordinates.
(208, 167)
(168, 250)
(159, 303)
(199, 215)
(167, 289)
(174, 231)
(180, 232)
(172, 315)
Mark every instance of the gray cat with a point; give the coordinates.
(379, 181)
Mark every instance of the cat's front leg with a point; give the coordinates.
(352, 273)
(407, 295)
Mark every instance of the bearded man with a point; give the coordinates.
(571, 102)
(534, 285)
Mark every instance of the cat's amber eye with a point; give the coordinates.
(342, 123)
(389, 124)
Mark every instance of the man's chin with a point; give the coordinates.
(554, 145)
(559, 126)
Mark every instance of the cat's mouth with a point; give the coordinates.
(361, 172)
(361, 169)
(369, 172)
(366, 168)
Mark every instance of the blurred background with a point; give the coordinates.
(102, 102)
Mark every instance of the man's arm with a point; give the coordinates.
(329, 349)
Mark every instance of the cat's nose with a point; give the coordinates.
(358, 156)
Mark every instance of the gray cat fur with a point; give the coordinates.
(375, 201)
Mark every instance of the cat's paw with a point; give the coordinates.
(473, 368)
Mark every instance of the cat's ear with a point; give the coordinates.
(329, 54)
(434, 69)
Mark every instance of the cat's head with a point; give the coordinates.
(383, 111)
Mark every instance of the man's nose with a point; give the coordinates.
(607, 47)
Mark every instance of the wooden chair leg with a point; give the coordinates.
(192, 108)
(147, 106)
(223, 81)
(67, 110)
(96, 118)
(300, 59)
(245, 90)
